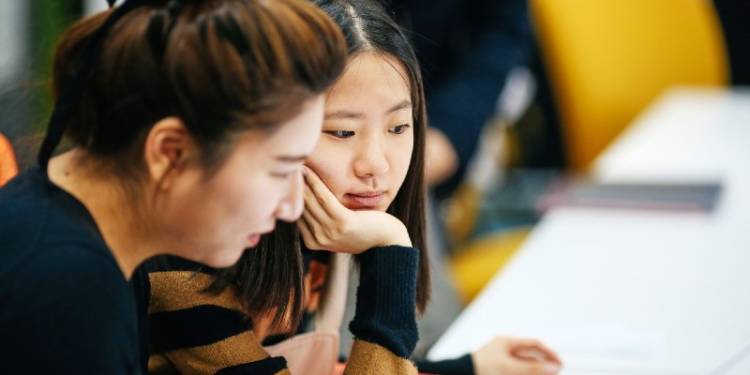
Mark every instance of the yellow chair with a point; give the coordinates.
(608, 59)
(8, 166)
(477, 260)
(474, 265)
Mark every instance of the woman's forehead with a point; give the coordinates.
(372, 68)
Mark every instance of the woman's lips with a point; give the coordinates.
(366, 200)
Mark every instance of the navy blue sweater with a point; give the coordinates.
(65, 306)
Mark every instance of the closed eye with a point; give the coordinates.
(340, 133)
(399, 129)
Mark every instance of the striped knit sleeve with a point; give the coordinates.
(198, 333)
(384, 324)
(367, 358)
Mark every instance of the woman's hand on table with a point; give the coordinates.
(515, 356)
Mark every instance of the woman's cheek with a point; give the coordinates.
(330, 165)
(401, 155)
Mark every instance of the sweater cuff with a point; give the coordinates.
(386, 299)
(457, 366)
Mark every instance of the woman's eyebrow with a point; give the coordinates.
(404, 104)
(291, 158)
(345, 114)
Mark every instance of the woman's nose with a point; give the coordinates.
(291, 206)
(371, 159)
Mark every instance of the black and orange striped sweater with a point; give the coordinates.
(194, 332)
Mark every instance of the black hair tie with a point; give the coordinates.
(157, 33)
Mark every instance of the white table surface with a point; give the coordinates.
(638, 292)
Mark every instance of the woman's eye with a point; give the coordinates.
(282, 175)
(339, 133)
(399, 129)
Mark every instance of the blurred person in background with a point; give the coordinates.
(467, 50)
(734, 16)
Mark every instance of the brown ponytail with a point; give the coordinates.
(225, 66)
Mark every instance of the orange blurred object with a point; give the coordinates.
(8, 166)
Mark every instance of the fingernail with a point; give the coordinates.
(551, 369)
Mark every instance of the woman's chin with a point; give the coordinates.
(224, 259)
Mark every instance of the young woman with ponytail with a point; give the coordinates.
(188, 123)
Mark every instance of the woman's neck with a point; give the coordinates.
(103, 197)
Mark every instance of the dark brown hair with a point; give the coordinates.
(222, 67)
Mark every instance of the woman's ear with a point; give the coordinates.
(167, 150)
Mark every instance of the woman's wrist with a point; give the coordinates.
(395, 234)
